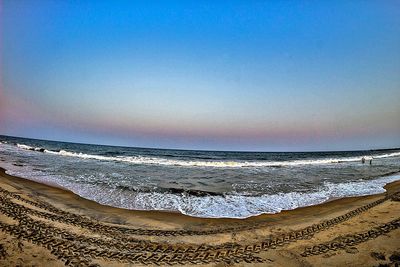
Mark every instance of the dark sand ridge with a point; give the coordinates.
(48, 226)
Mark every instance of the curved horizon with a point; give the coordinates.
(204, 150)
(237, 76)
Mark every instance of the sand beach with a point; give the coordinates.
(199, 133)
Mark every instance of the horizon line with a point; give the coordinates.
(202, 150)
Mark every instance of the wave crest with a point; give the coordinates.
(214, 164)
(228, 205)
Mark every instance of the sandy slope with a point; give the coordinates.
(47, 226)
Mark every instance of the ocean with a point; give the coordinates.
(210, 184)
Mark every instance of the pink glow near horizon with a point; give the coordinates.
(248, 76)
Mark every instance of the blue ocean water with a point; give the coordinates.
(200, 183)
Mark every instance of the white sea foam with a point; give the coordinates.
(204, 163)
(25, 147)
(210, 206)
(229, 206)
(239, 205)
(31, 148)
(221, 206)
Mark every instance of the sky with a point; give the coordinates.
(212, 75)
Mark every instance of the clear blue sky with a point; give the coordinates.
(221, 75)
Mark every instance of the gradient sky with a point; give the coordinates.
(219, 75)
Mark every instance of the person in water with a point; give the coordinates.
(363, 159)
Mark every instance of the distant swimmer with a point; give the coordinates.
(364, 159)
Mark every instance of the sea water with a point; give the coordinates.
(213, 184)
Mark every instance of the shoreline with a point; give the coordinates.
(54, 185)
(206, 241)
(217, 196)
(54, 192)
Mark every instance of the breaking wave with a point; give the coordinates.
(210, 205)
(232, 205)
(209, 163)
(196, 191)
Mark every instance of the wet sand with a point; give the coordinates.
(48, 226)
